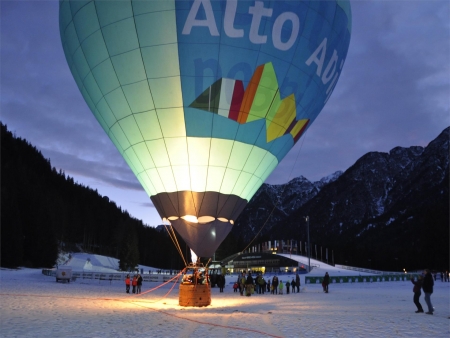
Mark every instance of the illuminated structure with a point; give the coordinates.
(204, 98)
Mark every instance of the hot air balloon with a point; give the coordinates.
(204, 98)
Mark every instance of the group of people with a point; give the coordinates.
(249, 285)
(424, 282)
(136, 283)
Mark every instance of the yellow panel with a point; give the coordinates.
(241, 183)
(166, 92)
(214, 179)
(220, 152)
(263, 100)
(182, 179)
(177, 150)
(256, 156)
(283, 118)
(229, 181)
(166, 175)
(199, 175)
(239, 155)
(157, 149)
(149, 125)
(298, 126)
(199, 149)
(172, 122)
(143, 154)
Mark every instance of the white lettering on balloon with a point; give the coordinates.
(258, 11)
(330, 73)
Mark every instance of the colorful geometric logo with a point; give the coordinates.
(261, 100)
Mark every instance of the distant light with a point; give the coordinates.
(172, 218)
(205, 219)
(222, 219)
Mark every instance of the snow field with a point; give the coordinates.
(34, 305)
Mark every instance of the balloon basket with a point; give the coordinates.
(195, 288)
(195, 295)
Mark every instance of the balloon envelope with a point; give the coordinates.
(204, 98)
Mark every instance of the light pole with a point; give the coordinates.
(309, 246)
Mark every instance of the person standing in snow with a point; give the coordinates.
(280, 287)
(275, 285)
(134, 283)
(417, 293)
(139, 283)
(427, 287)
(297, 282)
(288, 285)
(127, 284)
(249, 285)
(293, 285)
(268, 285)
(326, 281)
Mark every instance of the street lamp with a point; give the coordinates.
(309, 246)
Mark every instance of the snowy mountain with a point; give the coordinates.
(396, 202)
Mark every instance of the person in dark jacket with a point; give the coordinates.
(326, 281)
(249, 285)
(427, 287)
(417, 293)
(139, 283)
(221, 282)
(297, 282)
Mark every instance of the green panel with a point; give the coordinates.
(101, 120)
(77, 77)
(158, 152)
(239, 155)
(86, 21)
(120, 37)
(156, 181)
(106, 77)
(166, 55)
(146, 184)
(149, 125)
(133, 158)
(177, 150)
(71, 38)
(128, 67)
(94, 49)
(106, 113)
(130, 162)
(220, 152)
(267, 162)
(199, 175)
(112, 11)
(143, 154)
(182, 179)
(120, 137)
(241, 183)
(86, 96)
(75, 6)
(162, 22)
(214, 179)
(139, 97)
(166, 92)
(131, 130)
(118, 104)
(254, 159)
(199, 149)
(115, 141)
(92, 88)
(65, 14)
(166, 175)
(229, 181)
(80, 63)
(141, 7)
(249, 189)
(172, 122)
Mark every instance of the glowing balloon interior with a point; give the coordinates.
(204, 98)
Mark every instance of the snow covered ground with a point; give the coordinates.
(34, 305)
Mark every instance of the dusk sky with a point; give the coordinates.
(394, 90)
